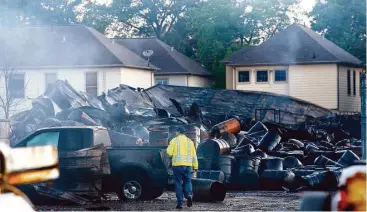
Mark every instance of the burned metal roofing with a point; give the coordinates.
(168, 59)
(63, 46)
(294, 45)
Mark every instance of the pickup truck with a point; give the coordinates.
(87, 156)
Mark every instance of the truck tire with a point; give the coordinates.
(133, 187)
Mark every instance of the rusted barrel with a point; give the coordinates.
(302, 172)
(271, 163)
(208, 190)
(245, 163)
(212, 148)
(226, 164)
(310, 147)
(297, 143)
(231, 125)
(275, 179)
(211, 175)
(269, 141)
(327, 180)
(207, 163)
(324, 161)
(348, 158)
(259, 153)
(291, 162)
(230, 139)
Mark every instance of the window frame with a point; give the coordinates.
(48, 74)
(91, 86)
(249, 77)
(22, 94)
(349, 87)
(286, 76)
(354, 83)
(262, 82)
(161, 79)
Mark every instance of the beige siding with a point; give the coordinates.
(314, 83)
(270, 86)
(229, 78)
(349, 103)
(197, 81)
(179, 80)
(111, 79)
(137, 77)
(35, 83)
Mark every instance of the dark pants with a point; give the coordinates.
(182, 174)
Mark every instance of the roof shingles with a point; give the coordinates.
(294, 45)
(169, 60)
(62, 46)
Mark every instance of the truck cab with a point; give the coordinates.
(91, 164)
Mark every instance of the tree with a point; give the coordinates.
(139, 17)
(342, 22)
(8, 98)
(18, 12)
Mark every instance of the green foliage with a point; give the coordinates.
(18, 12)
(204, 30)
(344, 23)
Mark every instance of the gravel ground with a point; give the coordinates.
(245, 201)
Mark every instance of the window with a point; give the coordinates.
(91, 83)
(261, 76)
(280, 75)
(243, 76)
(50, 79)
(72, 140)
(16, 86)
(161, 81)
(354, 83)
(46, 138)
(348, 81)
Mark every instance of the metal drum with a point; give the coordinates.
(212, 148)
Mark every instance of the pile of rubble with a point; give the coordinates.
(252, 140)
(265, 157)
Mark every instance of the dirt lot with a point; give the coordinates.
(247, 201)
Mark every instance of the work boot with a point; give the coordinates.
(189, 202)
(179, 207)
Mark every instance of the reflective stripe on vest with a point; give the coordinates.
(182, 158)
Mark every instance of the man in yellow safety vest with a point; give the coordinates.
(183, 153)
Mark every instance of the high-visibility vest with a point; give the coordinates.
(183, 152)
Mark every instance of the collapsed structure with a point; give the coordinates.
(248, 140)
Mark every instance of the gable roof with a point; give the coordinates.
(63, 46)
(169, 60)
(294, 45)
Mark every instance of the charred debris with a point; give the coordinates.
(247, 140)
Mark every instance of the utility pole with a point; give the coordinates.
(363, 113)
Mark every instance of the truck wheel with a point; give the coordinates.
(133, 188)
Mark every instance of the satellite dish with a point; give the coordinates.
(148, 53)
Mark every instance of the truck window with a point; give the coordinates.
(71, 140)
(101, 136)
(46, 138)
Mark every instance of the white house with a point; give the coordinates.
(86, 58)
(300, 63)
(174, 67)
